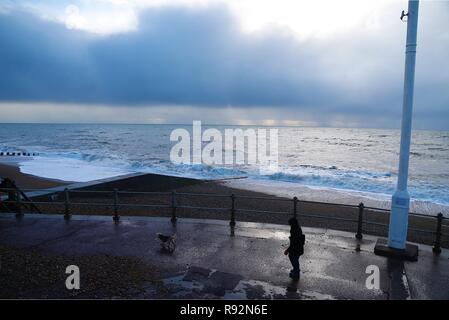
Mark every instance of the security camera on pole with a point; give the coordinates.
(397, 235)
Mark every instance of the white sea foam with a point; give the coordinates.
(69, 169)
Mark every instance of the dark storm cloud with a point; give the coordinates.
(200, 57)
(177, 56)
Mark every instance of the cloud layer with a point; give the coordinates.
(200, 57)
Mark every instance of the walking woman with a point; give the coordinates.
(296, 248)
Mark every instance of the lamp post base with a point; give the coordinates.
(397, 232)
(409, 253)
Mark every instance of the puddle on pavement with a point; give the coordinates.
(200, 287)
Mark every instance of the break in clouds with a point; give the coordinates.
(199, 56)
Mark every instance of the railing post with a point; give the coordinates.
(173, 207)
(360, 222)
(295, 207)
(437, 245)
(232, 222)
(19, 213)
(116, 217)
(66, 204)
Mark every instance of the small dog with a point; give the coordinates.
(168, 243)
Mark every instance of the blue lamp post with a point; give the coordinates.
(397, 235)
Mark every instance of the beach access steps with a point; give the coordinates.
(13, 202)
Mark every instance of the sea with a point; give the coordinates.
(339, 165)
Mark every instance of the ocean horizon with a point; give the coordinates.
(341, 165)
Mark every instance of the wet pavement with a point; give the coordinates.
(209, 263)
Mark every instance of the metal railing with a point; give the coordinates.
(173, 205)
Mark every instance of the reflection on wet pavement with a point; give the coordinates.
(201, 283)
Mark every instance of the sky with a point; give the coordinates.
(262, 62)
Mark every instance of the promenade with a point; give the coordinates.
(209, 263)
